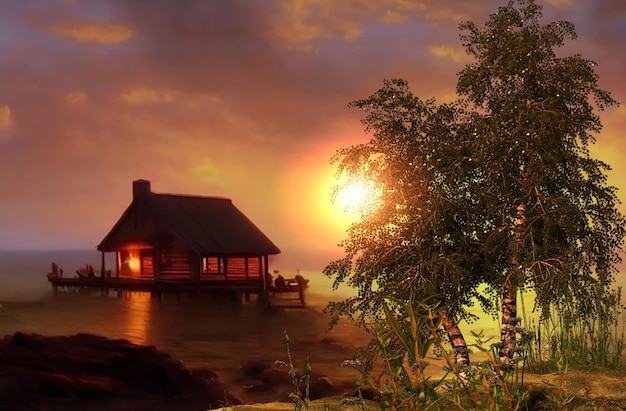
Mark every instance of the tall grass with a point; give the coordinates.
(410, 333)
(405, 383)
(569, 337)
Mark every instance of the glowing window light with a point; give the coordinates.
(133, 262)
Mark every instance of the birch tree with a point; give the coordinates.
(499, 188)
(536, 117)
(414, 239)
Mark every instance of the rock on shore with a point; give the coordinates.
(87, 371)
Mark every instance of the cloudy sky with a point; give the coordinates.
(238, 98)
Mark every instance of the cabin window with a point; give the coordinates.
(214, 265)
(129, 261)
(147, 267)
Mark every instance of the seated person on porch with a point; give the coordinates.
(86, 272)
(302, 282)
(280, 282)
(56, 271)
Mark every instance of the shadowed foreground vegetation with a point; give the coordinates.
(593, 389)
(532, 384)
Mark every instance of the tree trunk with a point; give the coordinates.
(509, 292)
(509, 317)
(461, 353)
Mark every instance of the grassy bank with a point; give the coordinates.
(585, 388)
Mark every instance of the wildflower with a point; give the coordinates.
(519, 350)
(351, 401)
(512, 328)
(507, 364)
(356, 363)
(493, 379)
(528, 334)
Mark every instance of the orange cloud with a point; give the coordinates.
(308, 20)
(458, 55)
(142, 96)
(394, 17)
(6, 116)
(88, 32)
(206, 170)
(558, 3)
(76, 98)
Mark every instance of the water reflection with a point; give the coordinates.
(137, 319)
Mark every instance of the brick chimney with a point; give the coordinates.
(141, 188)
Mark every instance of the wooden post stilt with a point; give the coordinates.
(102, 267)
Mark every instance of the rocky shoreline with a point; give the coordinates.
(91, 372)
(86, 371)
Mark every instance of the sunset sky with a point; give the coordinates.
(237, 98)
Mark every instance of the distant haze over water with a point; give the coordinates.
(22, 278)
(23, 272)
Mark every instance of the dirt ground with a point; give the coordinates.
(592, 388)
(582, 388)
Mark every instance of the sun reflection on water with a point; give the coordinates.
(138, 317)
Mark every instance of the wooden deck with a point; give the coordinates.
(290, 297)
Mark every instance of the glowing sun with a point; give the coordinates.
(357, 196)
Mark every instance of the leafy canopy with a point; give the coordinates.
(536, 117)
(453, 177)
(416, 238)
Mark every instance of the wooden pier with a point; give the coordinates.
(292, 296)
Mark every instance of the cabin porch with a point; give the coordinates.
(178, 264)
(291, 296)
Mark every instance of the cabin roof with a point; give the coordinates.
(207, 225)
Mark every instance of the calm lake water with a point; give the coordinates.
(201, 333)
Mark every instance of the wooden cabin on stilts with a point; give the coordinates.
(182, 243)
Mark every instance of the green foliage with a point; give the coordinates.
(488, 384)
(300, 400)
(498, 188)
(416, 238)
(571, 338)
(406, 382)
(535, 117)
(405, 385)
